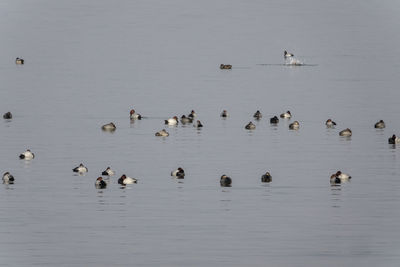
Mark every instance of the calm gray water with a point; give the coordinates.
(88, 63)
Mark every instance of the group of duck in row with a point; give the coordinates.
(250, 126)
(111, 127)
(179, 173)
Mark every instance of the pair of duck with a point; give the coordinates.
(293, 126)
(347, 132)
(226, 181)
(339, 177)
(286, 115)
(110, 127)
(123, 180)
(174, 120)
(83, 169)
(331, 124)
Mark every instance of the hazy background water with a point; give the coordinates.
(88, 63)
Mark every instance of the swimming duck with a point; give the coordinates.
(266, 178)
(8, 178)
(163, 132)
(224, 114)
(294, 126)
(345, 132)
(27, 155)
(134, 115)
(7, 116)
(257, 115)
(124, 180)
(109, 127)
(172, 121)
(185, 119)
(178, 173)
(192, 114)
(287, 55)
(380, 124)
(335, 180)
(394, 140)
(108, 172)
(342, 176)
(286, 115)
(225, 67)
(225, 181)
(80, 169)
(19, 61)
(198, 124)
(100, 183)
(330, 123)
(250, 126)
(274, 120)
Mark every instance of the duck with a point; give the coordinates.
(286, 115)
(224, 114)
(7, 116)
(380, 124)
(27, 155)
(100, 183)
(287, 55)
(266, 178)
(198, 124)
(172, 121)
(178, 173)
(257, 115)
(185, 119)
(19, 61)
(163, 133)
(192, 114)
(330, 123)
(108, 172)
(8, 178)
(294, 126)
(345, 132)
(344, 177)
(225, 67)
(394, 140)
(250, 126)
(335, 180)
(124, 180)
(80, 169)
(109, 127)
(274, 120)
(134, 115)
(225, 181)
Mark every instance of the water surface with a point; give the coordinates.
(88, 63)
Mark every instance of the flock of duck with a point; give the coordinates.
(225, 181)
